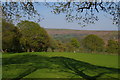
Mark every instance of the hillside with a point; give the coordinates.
(66, 34)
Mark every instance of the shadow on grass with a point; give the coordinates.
(79, 68)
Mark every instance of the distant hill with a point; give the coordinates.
(66, 34)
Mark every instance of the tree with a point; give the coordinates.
(17, 10)
(112, 46)
(83, 12)
(10, 37)
(75, 43)
(34, 37)
(93, 43)
(53, 44)
(60, 46)
(69, 47)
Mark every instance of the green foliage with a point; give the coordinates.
(60, 46)
(34, 38)
(112, 46)
(75, 43)
(72, 46)
(53, 44)
(15, 11)
(93, 43)
(69, 47)
(10, 37)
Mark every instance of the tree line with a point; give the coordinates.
(25, 37)
(28, 36)
(91, 43)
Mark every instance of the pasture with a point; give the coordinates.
(60, 65)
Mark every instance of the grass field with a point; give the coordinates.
(60, 65)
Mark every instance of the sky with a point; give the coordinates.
(58, 21)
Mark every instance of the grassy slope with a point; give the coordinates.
(96, 59)
(58, 65)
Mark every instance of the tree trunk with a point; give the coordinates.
(32, 50)
(45, 50)
(1, 50)
(28, 50)
(52, 50)
(6, 50)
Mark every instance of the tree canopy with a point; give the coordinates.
(93, 43)
(112, 46)
(34, 37)
(83, 12)
(75, 43)
(10, 37)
